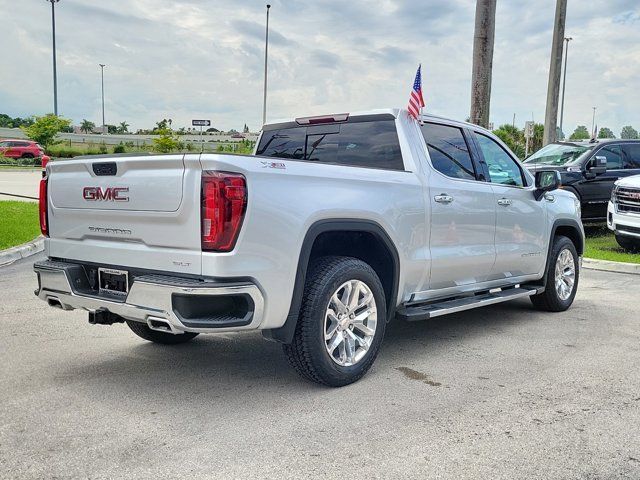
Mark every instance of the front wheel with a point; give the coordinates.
(341, 323)
(562, 277)
(629, 244)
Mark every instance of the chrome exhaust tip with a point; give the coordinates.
(161, 325)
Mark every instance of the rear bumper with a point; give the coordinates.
(164, 302)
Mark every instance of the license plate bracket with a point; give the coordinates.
(113, 282)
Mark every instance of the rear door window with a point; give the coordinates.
(370, 144)
(631, 155)
(448, 151)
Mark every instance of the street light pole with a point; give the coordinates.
(55, 75)
(266, 49)
(102, 65)
(593, 123)
(564, 80)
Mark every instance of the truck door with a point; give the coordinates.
(596, 191)
(463, 212)
(520, 218)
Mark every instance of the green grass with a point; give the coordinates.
(601, 244)
(17, 167)
(18, 223)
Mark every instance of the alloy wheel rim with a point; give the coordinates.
(350, 323)
(565, 274)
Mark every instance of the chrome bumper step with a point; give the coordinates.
(154, 299)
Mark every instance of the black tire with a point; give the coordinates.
(308, 354)
(143, 331)
(629, 244)
(549, 300)
(27, 155)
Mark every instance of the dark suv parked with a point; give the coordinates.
(588, 169)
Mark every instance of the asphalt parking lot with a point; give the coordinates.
(21, 183)
(501, 392)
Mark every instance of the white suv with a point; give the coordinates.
(623, 212)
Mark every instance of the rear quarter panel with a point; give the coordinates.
(284, 202)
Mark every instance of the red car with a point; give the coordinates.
(20, 149)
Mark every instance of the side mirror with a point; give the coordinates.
(598, 165)
(546, 180)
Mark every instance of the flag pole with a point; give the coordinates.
(420, 121)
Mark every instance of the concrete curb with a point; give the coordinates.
(25, 250)
(607, 266)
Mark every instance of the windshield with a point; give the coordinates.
(557, 154)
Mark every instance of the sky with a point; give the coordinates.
(192, 59)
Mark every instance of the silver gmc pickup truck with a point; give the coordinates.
(336, 225)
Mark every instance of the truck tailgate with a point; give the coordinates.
(139, 211)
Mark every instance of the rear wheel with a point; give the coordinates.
(341, 323)
(562, 277)
(629, 244)
(143, 331)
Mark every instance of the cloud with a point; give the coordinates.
(185, 59)
(257, 32)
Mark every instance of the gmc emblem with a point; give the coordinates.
(110, 194)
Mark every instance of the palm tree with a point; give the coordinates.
(123, 127)
(161, 125)
(86, 126)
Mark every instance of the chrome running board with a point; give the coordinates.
(425, 311)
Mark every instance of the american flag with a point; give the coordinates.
(416, 102)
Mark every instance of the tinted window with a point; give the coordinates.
(613, 153)
(502, 168)
(360, 144)
(448, 151)
(285, 143)
(632, 155)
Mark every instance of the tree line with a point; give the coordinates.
(44, 129)
(515, 139)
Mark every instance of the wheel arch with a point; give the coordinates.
(574, 190)
(342, 228)
(568, 228)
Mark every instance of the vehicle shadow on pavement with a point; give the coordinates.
(469, 323)
(216, 364)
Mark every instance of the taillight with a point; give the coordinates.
(224, 200)
(44, 214)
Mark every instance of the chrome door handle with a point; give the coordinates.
(504, 201)
(443, 198)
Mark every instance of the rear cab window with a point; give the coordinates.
(369, 141)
